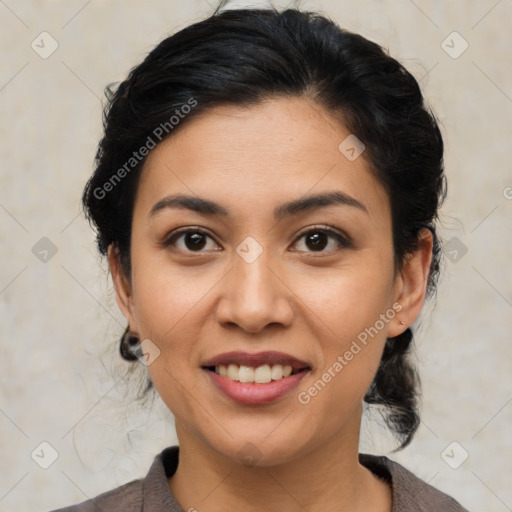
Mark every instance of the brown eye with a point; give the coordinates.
(189, 240)
(194, 241)
(316, 240)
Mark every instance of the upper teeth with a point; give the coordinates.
(261, 375)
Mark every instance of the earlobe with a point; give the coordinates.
(412, 283)
(122, 286)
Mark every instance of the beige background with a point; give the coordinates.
(60, 379)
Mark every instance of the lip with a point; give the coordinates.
(256, 359)
(255, 393)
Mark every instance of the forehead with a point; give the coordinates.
(244, 157)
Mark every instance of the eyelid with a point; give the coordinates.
(170, 238)
(333, 231)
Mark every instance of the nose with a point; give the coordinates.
(255, 295)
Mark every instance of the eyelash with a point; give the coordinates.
(343, 240)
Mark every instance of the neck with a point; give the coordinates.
(327, 477)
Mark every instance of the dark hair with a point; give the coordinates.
(242, 57)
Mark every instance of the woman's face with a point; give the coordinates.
(266, 276)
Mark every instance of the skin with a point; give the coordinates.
(310, 303)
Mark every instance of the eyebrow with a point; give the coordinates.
(288, 209)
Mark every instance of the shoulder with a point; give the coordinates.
(151, 493)
(409, 491)
(126, 498)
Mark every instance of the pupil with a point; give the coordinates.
(318, 241)
(194, 240)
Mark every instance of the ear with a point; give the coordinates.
(122, 287)
(411, 283)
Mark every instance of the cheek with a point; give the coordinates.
(169, 308)
(165, 296)
(349, 363)
(355, 310)
(350, 299)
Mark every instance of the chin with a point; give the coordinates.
(263, 447)
(248, 453)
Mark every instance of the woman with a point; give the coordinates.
(266, 193)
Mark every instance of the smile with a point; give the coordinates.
(254, 379)
(260, 375)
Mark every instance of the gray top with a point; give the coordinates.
(152, 493)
